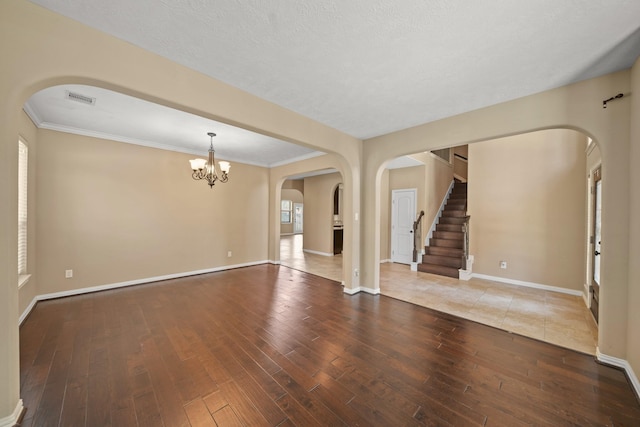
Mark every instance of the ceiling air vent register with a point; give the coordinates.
(73, 96)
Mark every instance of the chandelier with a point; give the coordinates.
(203, 169)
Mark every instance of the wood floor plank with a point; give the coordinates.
(267, 345)
(123, 413)
(198, 414)
(227, 417)
(296, 412)
(242, 406)
(147, 411)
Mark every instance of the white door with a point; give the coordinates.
(297, 218)
(403, 213)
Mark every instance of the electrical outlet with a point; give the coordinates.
(503, 264)
(229, 254)
(68, 274)
(356, 272)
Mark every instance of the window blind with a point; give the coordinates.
(23, 173)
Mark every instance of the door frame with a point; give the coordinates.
(595, 177)
(393, 233)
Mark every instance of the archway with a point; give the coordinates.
(320, 175)
(577, 107)
(318, 250)
(527, 202)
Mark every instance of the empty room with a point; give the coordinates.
(302, 213)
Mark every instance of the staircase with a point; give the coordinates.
(445, 252)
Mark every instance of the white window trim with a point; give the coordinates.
(290, 210)
(23, 211)
(23, 279)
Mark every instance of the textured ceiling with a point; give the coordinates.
(369, 67)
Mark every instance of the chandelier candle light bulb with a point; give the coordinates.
(203, 169)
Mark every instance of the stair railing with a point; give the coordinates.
(417, 235)
(465, 242)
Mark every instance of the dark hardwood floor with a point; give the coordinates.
(268, 345)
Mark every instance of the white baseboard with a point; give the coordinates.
(620, 363)
(275, 262)
(317, 252)
(132, 283)
(528, 284)
(27, 310)
(361, 289)
(383, 261)
(11, 420)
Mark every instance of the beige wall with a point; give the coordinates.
(404, 178)
(294, 184)
(577, 106)
(432, 181)
(460, 169)
(462, 150)
(526, 199)
(633, 299)
(438, 177)
(296, 197)
(318, 215)
(105, 211)
(46, 54)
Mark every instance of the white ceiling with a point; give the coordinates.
(127, 119)
(369, 67)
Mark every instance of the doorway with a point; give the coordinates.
(596, 240)
(403, 212)
(298, 218)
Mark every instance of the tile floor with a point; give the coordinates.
(548, 316)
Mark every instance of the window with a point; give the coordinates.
(23, 173)
(285, 212)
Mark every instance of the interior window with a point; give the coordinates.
(23, 169)
(285, 212)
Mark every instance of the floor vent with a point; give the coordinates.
(80, 98)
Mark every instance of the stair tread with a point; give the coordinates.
(436, 250)
(448, 235)
(452, 220)
(449, 227)
(452, 213)
(449, 243)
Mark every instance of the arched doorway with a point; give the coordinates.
(536, 228)
(318, 250)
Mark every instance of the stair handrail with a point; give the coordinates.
(465, 242)
(417, 235)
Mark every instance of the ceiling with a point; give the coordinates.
(370, 67)
(124, 118)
